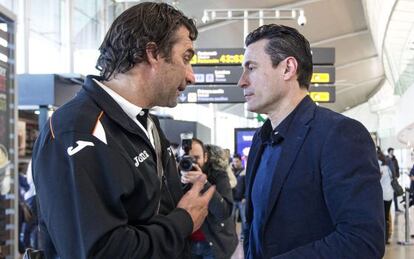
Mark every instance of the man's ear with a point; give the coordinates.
(205, 157)
(291, 68)
(152, 52)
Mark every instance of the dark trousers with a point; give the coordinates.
(396, 202)
(201, 250)
(387, 206)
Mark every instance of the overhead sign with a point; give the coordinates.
(234, 94)
(221, 56)
(323, 56)
(212, 94)
(323, 75)
(218, 57)
(322, 94)
(231, 74)
(217, 74)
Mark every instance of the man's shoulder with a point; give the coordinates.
(327, 114)
(79, 114)
(327, 117)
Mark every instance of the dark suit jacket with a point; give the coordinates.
(326, 197)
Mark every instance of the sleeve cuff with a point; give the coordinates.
(183, 221)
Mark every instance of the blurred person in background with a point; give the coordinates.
(396, 172)
(239, 208)
(232, 178)
(30, 229)
(217, 236)
(387, 192)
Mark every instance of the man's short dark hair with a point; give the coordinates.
(237, 155)
(381, 156)
(285, 42)
(198, 141)
(390, 149)
(126, 41)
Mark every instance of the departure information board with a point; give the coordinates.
(218, 57)
(222, 56)
(231, 74)
(212, 94)
(217, 72)
(322, 94)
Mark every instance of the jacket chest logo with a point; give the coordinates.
(141, 158)
(80, 145)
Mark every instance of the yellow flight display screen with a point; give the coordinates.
(218, 57)
(225, 59)
(320, 96)
(320, 78)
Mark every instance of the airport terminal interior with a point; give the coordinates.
(363, 68)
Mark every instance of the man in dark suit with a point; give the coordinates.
(312, 181)
(392, 162)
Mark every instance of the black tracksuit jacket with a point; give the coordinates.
(100, 200)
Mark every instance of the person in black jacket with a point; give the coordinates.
(239, 191)
(105, 176)
(393, 163)
(217, 237)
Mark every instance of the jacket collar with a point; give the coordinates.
(110, 107)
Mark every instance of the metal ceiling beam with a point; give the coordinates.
(364, 82)
(214, 25)
(375, 91)
(340, 37)
(356, 62)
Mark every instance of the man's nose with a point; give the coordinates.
(189, 77)
(243, 82)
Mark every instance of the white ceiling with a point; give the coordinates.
(330, 23)
(399, 45)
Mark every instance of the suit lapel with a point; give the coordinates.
(291, 146)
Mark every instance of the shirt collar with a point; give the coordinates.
(277, 135)
(130, 109)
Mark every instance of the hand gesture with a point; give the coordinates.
(195, 203)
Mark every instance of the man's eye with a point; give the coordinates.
(187, 59)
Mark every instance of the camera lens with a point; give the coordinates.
(186, 163)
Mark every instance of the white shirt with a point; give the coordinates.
(131, 110)
(32, 190)
(387, 191)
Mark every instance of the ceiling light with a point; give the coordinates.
(205, 17)
(301, 18)
(126, 1)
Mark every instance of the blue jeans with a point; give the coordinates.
(240, 206)
(201, 250)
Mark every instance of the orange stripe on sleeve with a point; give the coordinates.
(51, 127)
(97, 120)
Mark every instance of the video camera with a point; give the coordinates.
(186, 161)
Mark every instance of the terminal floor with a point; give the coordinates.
(392, 251)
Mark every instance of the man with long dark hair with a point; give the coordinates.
(106, 179)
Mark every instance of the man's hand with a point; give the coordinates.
(195, 203)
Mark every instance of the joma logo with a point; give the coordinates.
(141, 158)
